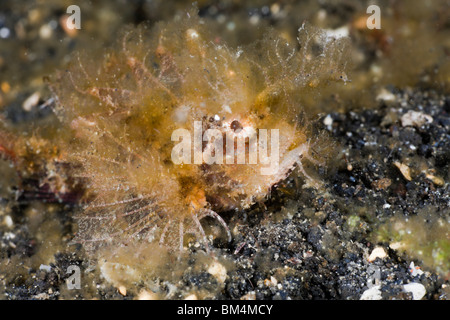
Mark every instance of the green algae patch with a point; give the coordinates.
(425, 237)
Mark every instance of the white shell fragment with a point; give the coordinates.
(373, 293)
(404, 169)
(218, 271)
(385, 96)
(415, 119)
(418, 290)
(378, 252)
(45, 267)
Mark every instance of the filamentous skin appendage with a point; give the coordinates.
(123, 105)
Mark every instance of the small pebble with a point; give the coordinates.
(9, 221)
(4, 33)
(385, 96)
(396, 245)
(378, 252)
(45, 32)
(328, 122)
(249, 296)
(31, 101)
(338, 33)
(438, 181)
(404, 169)
(418, 290)
(122, 290)
(415, 119)
(45, 267)
(146, 295)
(218, 271)
(373, 293)
(382, 184)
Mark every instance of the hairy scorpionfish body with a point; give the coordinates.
(124, 107)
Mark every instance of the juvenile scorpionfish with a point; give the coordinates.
(172, 125)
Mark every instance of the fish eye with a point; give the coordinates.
(236, 126)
